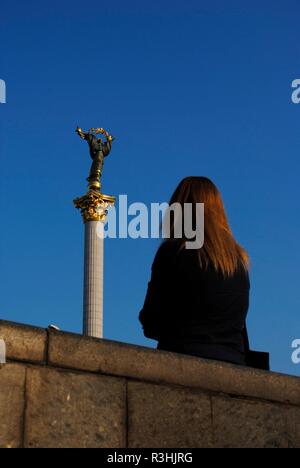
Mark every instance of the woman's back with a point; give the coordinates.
(195, 310)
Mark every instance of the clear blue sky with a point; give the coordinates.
(194, 88)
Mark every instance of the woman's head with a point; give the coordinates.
(220, 247)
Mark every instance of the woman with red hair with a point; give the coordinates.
(197, 300)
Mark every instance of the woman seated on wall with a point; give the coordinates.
(197, 299)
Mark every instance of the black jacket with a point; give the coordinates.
(193, 310)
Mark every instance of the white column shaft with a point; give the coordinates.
(93, 279)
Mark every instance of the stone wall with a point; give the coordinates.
(63, 390)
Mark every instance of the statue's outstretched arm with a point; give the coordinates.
(106, 148)
(81, 133)
(87, 136)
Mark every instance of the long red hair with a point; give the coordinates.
(220, 247)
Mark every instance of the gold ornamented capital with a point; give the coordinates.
(93, 205)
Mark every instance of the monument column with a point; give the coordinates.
(93, 207)
(93, 281)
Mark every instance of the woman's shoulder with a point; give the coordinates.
(242, 273)
(167, 251)
(174, 253)
(167, 248)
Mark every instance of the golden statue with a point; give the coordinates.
(93, 205)
(98, 151)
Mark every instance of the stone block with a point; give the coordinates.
(23, 342)
(72, 410)
(12, 403)
(242, 423)
(165, 417)
(293, 426)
